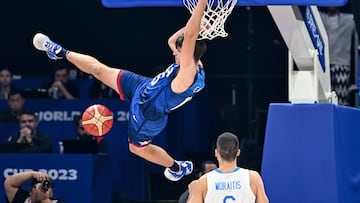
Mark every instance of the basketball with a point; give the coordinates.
(97, 120)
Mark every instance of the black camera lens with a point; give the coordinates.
(46, 185)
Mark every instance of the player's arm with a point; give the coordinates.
(258, 187)
(91, 65)
(197, 190)
(188, 66)
(172, 39)
(172, 42)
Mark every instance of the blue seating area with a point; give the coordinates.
(35, 83)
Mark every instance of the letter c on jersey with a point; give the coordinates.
(228, 197)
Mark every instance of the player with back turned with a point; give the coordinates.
(152, 99)
(228, 183)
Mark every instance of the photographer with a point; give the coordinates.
(41, 189)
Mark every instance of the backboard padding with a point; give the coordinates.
(175, 3)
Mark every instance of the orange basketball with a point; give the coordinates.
(97, 120)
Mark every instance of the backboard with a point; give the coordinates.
(174, 3)
(305, 36)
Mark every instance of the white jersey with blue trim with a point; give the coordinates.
(233, 187)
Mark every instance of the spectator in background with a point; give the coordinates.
(15, 193)
(99, 90)
(38, 141)
(82, 75)
(205, 166)
(6, 83)
(340, 28)
(16, 103)
(81, 134)
(60, 87)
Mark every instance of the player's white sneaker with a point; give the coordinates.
(186, 168)
(43, 43)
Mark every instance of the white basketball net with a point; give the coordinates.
(214, 17)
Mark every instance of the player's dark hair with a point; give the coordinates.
(227, 145)
(179, 41)
(200, 47)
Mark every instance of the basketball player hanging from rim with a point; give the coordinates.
(152, 99)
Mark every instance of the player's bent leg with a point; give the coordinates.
(153, 153)
(158, 155)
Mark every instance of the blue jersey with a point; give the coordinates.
(152, 100)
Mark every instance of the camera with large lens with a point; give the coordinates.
(46, 185)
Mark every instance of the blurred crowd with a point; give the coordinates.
(64, 83)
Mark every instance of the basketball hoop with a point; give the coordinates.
(214, 17)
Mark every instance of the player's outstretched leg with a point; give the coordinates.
(186, 168)
(43, 43)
